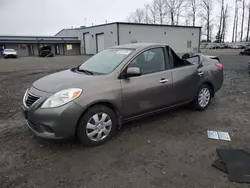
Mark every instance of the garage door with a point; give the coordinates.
(99, 42)
(86, 43)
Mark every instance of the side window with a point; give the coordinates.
(150, 61)
(177, 61)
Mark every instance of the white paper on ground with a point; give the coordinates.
(224, 136)
(213, 135)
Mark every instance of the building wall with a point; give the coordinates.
(110, 36)
(22, 49)
(36, 50)
(176, 37)
(74, 51)
(71, 33)
(61, 47)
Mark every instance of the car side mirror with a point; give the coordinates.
(133, 72)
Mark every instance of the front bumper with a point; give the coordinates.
(10, 55)
(52, 123)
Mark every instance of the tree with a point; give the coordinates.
(160, 10)
(248, 25)
(207, 8)
(137, 16)
(235, 24)
(153, 12)
(224, 21)
(147, 16)
(219, 36)
(174, 7)
(242, 21)
(194, 4)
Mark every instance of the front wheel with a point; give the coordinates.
(96, 126)
(203, 97)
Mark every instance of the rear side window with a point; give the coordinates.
(150, 61)
(176, 60)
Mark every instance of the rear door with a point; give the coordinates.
(152, 90)
(186, 78)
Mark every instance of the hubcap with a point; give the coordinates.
(99, 127)
(204, 97)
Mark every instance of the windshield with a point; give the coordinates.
(106, 61)
(9, 50)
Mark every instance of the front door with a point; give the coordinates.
(150, 91)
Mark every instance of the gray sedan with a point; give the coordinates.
(118, 85)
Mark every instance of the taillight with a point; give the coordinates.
(220, 66)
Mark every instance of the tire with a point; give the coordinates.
(207, 95)
(97, 128)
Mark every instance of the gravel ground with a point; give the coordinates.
(166, 150)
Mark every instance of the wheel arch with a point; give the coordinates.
(210, 85)
(106, 103)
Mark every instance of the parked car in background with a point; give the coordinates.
(118, 85)
(246, 51)
(46, 51)
(9, 53)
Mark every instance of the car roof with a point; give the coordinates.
(138, 45)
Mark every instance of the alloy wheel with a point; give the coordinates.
(204, 97)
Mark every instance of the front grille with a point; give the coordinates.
(31, 99)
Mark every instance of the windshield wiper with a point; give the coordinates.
(85, 71)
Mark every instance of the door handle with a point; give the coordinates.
(200, 73)
(163, 80)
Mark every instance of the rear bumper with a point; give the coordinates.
(218, 81)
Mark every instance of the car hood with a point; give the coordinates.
(64, 80)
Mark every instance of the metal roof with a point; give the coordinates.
(37, 39)
(128, 23)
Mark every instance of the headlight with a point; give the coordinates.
(62, 97)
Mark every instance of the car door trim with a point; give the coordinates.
(155, 112)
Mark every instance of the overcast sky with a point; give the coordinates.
(47, 17)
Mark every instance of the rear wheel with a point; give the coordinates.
(203, 97)
(96, 126)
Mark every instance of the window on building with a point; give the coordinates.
(69, 46)
(150, 61)
(22, 47)
(189, 44)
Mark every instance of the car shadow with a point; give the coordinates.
(144, 123)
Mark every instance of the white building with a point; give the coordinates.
(97, 38)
